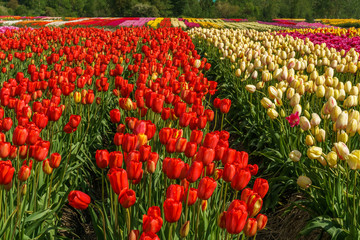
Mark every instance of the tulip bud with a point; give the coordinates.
(46, 167)
(250, 88)
(315, 120)
(342, 150)
(251, 227)
(185, 228)
(309, 140)
(266, 103)
(295, 155)
(272, 113)
(342, 136)
(342, 120)
(304, 182)
(23, 189)
(320, 135)
(304, 123)
(261, 221)
(353, 160)
(314, 152)
(331, 159)
(133, 235)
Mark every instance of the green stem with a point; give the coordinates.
(222, 122)
(224, 202)
(128, 220)
(103, 218)
(49, 192)
(170, 232)
(150, 182)
(197, 220)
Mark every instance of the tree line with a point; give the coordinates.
(250, 9)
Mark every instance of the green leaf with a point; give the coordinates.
(325, 223)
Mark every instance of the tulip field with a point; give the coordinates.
(158, 131)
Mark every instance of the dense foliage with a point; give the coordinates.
(260, 9)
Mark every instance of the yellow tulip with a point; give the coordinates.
(331, 158)
(304, 182)
(272, 113)
(314, 152)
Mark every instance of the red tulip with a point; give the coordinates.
(171, 144)
(240, 179)
(118, 139)
(6, 172)
(172, 210)
(250, 228)
(4, 149)
(54, 113)
(192, 196)
(149, 236)
(40, 120)
(127, 197)
(55, 160)
(118, 179)
(40, 152)
(194, 171)
(164, 135)
(102, 158)
(115, 115)
(206, 155)
(79, 200)
(211, 140)
(175, 192)
(180, 145)
(225, 105)
(179, 108)
(129, 142)
(236, 219)
(229, 172)
(261, 221)
(68, 129)
(134, 170)
(261, 186)
(74, 121)
(152, 222)
(115, 159)
(241, 159)
(190, 149)
(206, 188)
(229, 156)
(7, 124)
(151, 162)
(173, 168)
(254, 204)
(19, 136)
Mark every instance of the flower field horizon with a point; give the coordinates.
(177, 128)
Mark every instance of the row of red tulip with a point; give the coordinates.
(151, 84)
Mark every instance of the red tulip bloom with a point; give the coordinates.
(190, 150)
(217, 102)
(250, 227)
(19, 136)
(194, 171)
(74, 121)
(240, 179)
(118, 179)
(149, 236)
(173, 168)
(180, 145)
(225, 105)
(33, 136)
(68, 129)
(241, 159)
(192, 196)
(102, 158)
(206, 188)
(129, 142)
(40, 120)
(205, 155)
(229, 172)
(261, 186)
(54, 113)
(164, 135)
(152, 222)
(211, 140)
(175, 192)
(134, 170)
(254, 204)
(55, 160)
(172, 210)
(229, 156)
(196, 136)
(115, 115)
(179, 108)
(261, 221)
(6, 172)
(79, 200)
(115, 159)
(219, 152)
(127, 197)
(235, 220)
(4, 149)
(24, 173)
(40, 152)
(7, 124)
